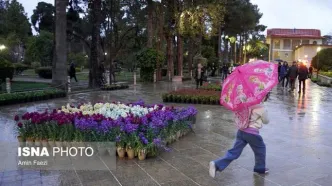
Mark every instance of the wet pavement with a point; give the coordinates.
(298, 141)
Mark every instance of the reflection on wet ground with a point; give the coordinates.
(298, 140)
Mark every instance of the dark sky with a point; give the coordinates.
(316, 14)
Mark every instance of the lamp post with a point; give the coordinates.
(318, 50)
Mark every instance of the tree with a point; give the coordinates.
(95, 75)
(13, 20)
(43, 17)
(40, 48)
(323, 60)
(59, 70)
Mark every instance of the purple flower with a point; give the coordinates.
(117, 139)
(130, 128)
(157, 141)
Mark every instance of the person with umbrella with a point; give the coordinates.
(244, 93)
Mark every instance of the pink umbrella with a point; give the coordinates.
(248, 85)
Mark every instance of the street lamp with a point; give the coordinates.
(2, 47)
(318, 50)
(105, 53)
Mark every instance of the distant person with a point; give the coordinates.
(293, 73)
(310, 71)
(225, 72)
(284, 74)
(303, 75)
(279, 68)
(199, 75)
(72, 71)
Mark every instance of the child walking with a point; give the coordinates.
(248, 134)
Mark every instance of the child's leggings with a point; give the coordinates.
(242, 139)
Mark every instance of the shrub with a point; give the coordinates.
(19, 68)
(149, 60)
(35, 65)
(325, 60)
(6, 70)
(44, 72)
(79, 59)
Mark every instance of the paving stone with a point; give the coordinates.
(297, 139)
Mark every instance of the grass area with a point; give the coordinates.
(18, 86)
(328, 74)
(29, 72)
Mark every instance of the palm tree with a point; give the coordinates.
(59, 70)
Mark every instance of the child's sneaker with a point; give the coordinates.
(262, 172)
(212, 170)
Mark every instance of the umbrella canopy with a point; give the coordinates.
(248, 85)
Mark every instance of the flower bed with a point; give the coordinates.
(23, 97)
(193, 96)
(114, 87)
(134, 127)
(211, 86)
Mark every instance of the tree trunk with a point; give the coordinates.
(150, 24)
(180, 54)
(59, 70)
(94, 62)
(160, 40)
(170, 62)
(190, 54)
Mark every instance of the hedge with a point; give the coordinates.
(192, 96)
(44, 72)
(114, 87)
(23, 97)
(6, 70)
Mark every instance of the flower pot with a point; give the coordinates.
(130, 153)
(121, 152)
(51, 143)
(44, 142)
(38, 142)
(178, 135)
(58, 143)
(142, 154)
(30, 142)
(20, 139)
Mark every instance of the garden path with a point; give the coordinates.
(298, 140)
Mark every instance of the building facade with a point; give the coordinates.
(288, 44)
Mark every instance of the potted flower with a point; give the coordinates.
(130, 145)
(165, 97)
(51, 130)
(120, 146)
(141, 151)
(22, 133)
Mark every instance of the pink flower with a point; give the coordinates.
(20, 124)
(17, 118)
